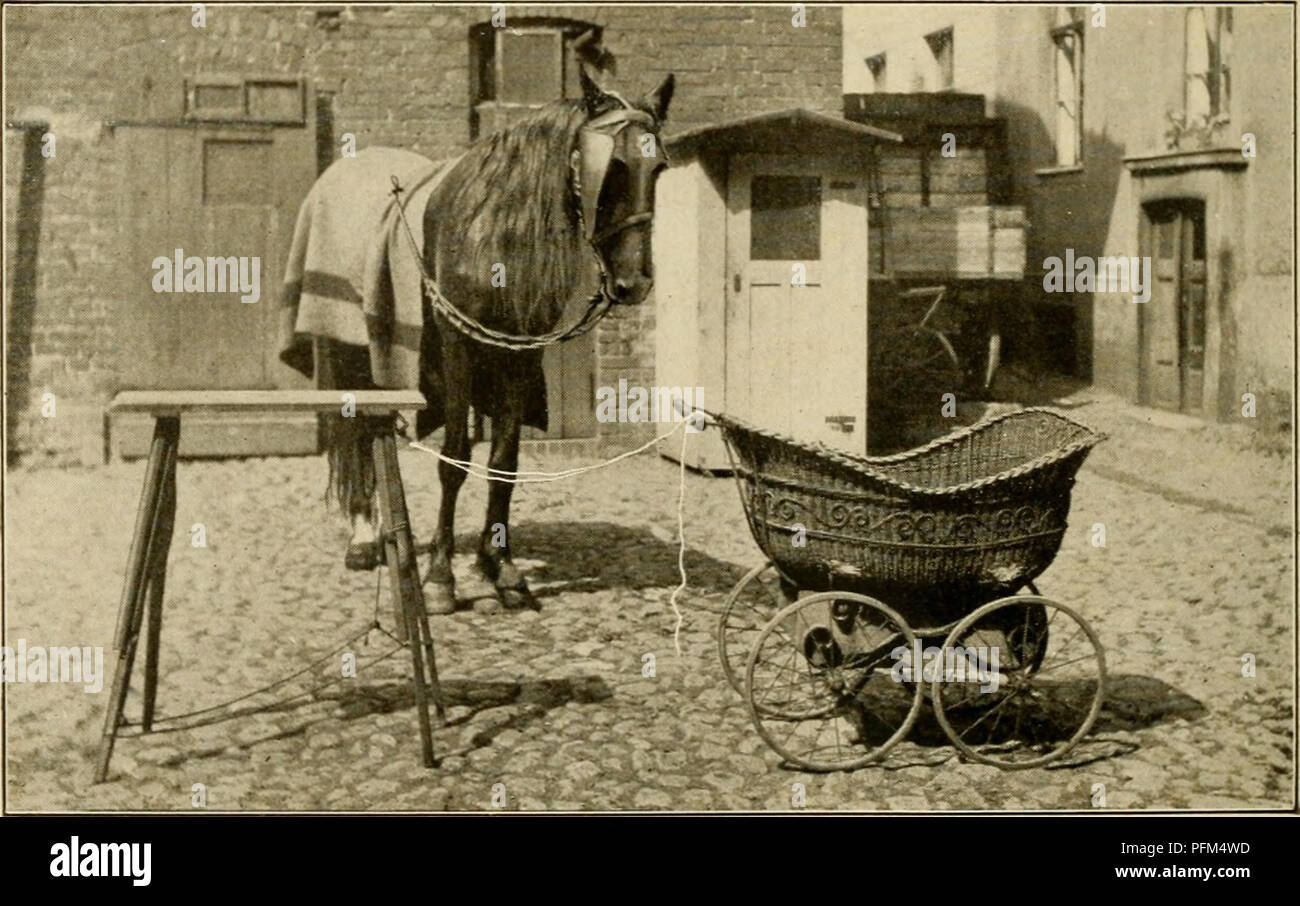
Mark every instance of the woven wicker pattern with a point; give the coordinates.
(960, 521)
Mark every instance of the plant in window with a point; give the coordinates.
(1192, 131)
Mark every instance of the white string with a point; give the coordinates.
(681, 545)
(487, 473)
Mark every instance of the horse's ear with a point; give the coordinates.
(595, 65)
(661, 97)
(594, 83)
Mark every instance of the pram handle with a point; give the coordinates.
(698, 414)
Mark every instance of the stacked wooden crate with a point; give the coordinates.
(959, 180)
(1008, 226)
(934, 211)
(931, 217)
(969, 241)
(900, 176)
(938, 182)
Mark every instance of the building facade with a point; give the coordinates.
(425, 78)
(1133, 132)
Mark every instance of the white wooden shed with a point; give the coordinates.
(760, 258)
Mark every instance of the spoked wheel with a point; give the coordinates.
(1037, 699)
(917, 365)
(749, 606)
(820, 682)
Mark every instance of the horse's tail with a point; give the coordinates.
(352, 468)
(346, 440)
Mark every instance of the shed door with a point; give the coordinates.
(797, 298)
(211, 191)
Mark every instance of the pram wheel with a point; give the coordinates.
(822, 686)
(753, 601)
(1022, 682)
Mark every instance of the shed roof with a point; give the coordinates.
(796, 129)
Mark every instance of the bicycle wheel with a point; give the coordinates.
(915, 366)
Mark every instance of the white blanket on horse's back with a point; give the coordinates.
(352, 275)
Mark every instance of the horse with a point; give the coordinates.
(509, 236)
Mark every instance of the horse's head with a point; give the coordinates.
(618, 158)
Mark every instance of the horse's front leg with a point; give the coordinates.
(439, 581)
(494, 544)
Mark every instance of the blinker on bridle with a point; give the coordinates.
(590, 162)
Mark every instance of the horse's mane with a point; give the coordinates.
(508, 201)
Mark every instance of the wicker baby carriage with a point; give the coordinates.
(902, 553)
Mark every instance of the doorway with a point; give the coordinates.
(1172, 322)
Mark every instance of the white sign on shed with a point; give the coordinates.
(760, 261)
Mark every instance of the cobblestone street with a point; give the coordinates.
(553, 704)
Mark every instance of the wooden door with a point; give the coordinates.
(1173, 320)
(570, 369)
(212, 191)
(796, 349)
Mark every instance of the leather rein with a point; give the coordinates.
(590, 159)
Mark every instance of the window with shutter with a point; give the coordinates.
(1068, 39)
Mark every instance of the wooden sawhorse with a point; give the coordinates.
(146, 568)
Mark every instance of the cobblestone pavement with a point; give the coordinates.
(553, 705)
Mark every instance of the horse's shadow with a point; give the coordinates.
(560, 557)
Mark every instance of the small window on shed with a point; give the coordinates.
(785, 218)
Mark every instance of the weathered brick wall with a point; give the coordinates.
(398, 75)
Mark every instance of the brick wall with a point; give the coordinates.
(398, 75)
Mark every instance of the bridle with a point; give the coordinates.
(588, 166)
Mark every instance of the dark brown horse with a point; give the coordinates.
(525, 221)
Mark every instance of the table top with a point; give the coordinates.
(175, 402)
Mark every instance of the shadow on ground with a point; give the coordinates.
(594, 556)
(530, 702)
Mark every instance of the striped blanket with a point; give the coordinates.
(352, 276)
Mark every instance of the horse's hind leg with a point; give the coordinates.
(494, 544)
(352, 475)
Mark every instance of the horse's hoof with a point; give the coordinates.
(362, 556)
(517, 597)
(488, 566)
(439, 597)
